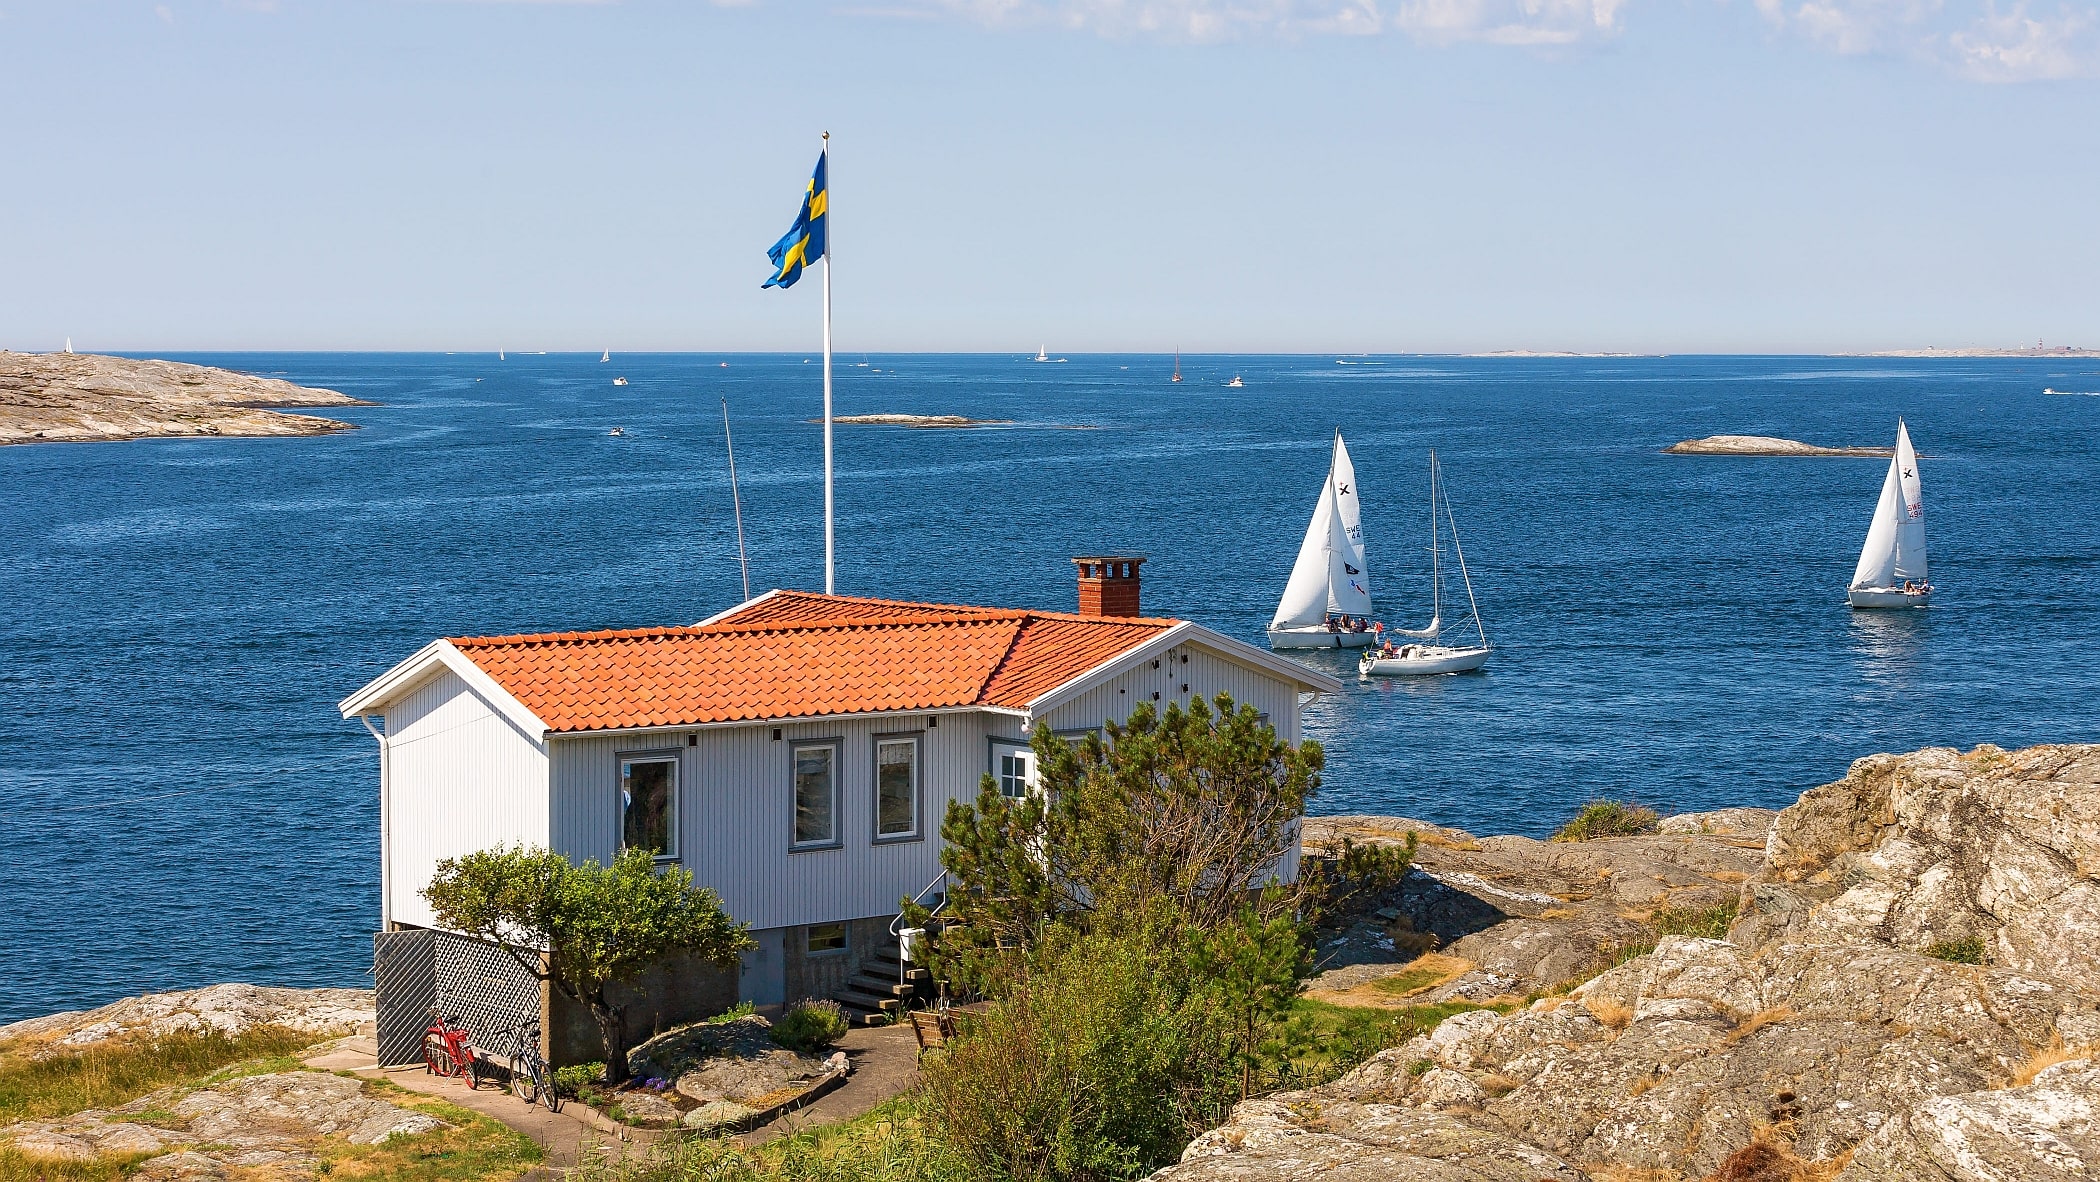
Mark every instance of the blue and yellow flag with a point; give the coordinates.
(805, 243)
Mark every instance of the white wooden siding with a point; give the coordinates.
(735, 811)
(1206, 674)
(461, 778)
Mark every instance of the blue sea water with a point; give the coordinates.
(178, 618)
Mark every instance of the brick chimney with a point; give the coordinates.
(1108, 584)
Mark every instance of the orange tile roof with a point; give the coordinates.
(800, 655)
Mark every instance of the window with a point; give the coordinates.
(649, 804)
(1013, 773)
(896, 789)
(826, 937)
(816, 794)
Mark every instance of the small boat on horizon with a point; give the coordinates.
(617, 431)
(1421, 655)
(1327, 602)
(1177, 366)
(1235, 383)
(499, 354)
(605, 357)
(619, 381)
(1892, 569)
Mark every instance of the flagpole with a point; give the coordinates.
(826, 153)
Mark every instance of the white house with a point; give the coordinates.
(795, 752)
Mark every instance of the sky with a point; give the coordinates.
(1086, 175)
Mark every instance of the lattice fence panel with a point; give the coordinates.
(489, 990)
(403, 965)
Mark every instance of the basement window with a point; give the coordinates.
(816, 794)
(649, 804)
(826, 937)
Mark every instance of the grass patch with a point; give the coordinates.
(1323, 1040)
(120, 1070)
(20, 1167)
(1711, 923)
(1608, 818)
(888, 1144)
(474, 1149)
(1967, 950)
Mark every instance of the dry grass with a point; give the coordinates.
(119, 1070)
(1731, 877)
(1499, 1084)
(2042, 1060)
(1612, 1014)
(1765, 1160)
(1419, 975)
(1606, 1172)
(1643, 1085)
(1756, 1022)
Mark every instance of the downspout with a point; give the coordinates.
(386, 826)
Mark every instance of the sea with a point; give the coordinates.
(178, 618)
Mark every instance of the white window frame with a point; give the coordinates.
(1003, 749)
(627, 760)
(917, 831)
(833, 840)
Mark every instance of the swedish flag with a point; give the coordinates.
(805, 242)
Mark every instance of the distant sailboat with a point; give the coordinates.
(1235, 383)
(1177, 367)
(1042, 353)
(1891, 571)
(605, 357)
(499, 354)
(69, 344)
(1328, 580)
(1421, 655)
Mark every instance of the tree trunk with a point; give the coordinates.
(612, 1031)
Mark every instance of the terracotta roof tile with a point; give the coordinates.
(799, 655)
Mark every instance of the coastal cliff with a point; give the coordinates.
(1910, 990)
(85, 397)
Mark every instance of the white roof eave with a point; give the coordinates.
(1185, 632)
(392, 685)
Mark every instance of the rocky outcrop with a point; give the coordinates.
(1524, 915)
(1820, 1040)
(228, 1009)
(84, 397)
(1764, 445)
(262, 1121)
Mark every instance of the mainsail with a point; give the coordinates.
(1895, 549)
(1329, 575)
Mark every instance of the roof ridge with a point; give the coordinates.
(573, 635)
(927, 620)
(1013, 642)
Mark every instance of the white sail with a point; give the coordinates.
(605, 357)
(1895, 548)
(1348, 585)
(1305, 597)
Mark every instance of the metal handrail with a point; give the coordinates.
(897, 932)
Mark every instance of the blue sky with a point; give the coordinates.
(1093, 175)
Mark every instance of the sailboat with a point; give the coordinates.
(1423, 654)
(605, 357)
(1891, 571)
(1177, 367)
(499, 354)
(1328, 580)
(1042, 353)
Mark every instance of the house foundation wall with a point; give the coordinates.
(678, 991)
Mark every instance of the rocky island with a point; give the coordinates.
(85, 397)
(932, 421)
(1765, 445)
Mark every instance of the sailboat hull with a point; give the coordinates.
(1887, 597)
(1318, 638)
(1423, 660)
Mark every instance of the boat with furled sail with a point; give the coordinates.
(1891, 571)
(1425, 651)
(1327, 603)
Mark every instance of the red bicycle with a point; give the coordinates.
(448, 1051)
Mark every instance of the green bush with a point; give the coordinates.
(886, 1145)
(742, 1009)
(1608, 818)
(812, 1025)
(1966, 950)
(578, 1078)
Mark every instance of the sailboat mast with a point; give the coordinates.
(1436, 555)
(1463, 575)
(736, 501)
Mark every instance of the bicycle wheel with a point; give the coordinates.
(549, 1094)
(437, 1057)
(470, 1066)
(524, 1076)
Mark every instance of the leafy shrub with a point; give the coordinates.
(1608, 818)
(1966, 950)
(742, 1009)
(1354, 877)
(811, 1025)
(1710, 923)
(578, 1078)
